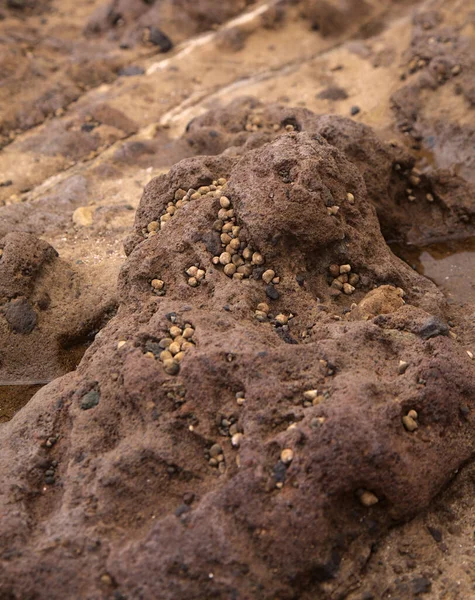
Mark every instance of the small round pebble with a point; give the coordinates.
(215, 450)
(174, 348)
(268, 275)
(257, 258)
(165, 355)
(225, 258)
(368, 498)
(236, 439)
(229, 269)
(410, 422)
(171, 367)
(157, 284)
(286, 456)
(348, 289)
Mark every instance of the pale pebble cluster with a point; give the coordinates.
(237, 258)
(181, 199)
(343, 279)
(195, 275)
(171, 349)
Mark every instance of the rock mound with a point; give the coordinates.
(256, 412)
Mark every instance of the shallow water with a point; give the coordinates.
(450, 265)
(15, 394)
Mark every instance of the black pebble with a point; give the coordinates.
(158, 38)
(20, 316)
(285, 336)
(280, 472)
(272, 293)
(6, 183)
(421, 585)
(153, 347)
(88, 127)
(355, 110)
(90, 400)
(435, 533)
(433, 327)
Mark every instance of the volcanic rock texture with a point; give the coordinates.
(271, 404)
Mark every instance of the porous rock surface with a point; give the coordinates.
(398, 192)
(116, 498)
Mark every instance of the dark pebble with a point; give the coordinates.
(435, 533)
(188, 498)
(20, 316)
(153, 347)
(257, 272)
(280, 472)
(421, 585)
(88, 127)
(131, 70)
(18, 4)
(182, 509)
(158, 38)
(355, 110)
(285, 336)
(433, 327)
(272, 293)
(49, 480)
(90, 400)
(300, 279)
(6, 183)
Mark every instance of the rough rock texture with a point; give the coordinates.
(48, 62)
(91, 123)
(387, 168)
(120, 473)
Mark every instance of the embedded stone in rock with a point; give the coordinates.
(21, 316)
(158, 38)
(432, 328)
(90, 400)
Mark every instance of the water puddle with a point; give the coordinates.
(15, 394)
(450, 265)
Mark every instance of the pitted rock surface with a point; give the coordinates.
(126, 503)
